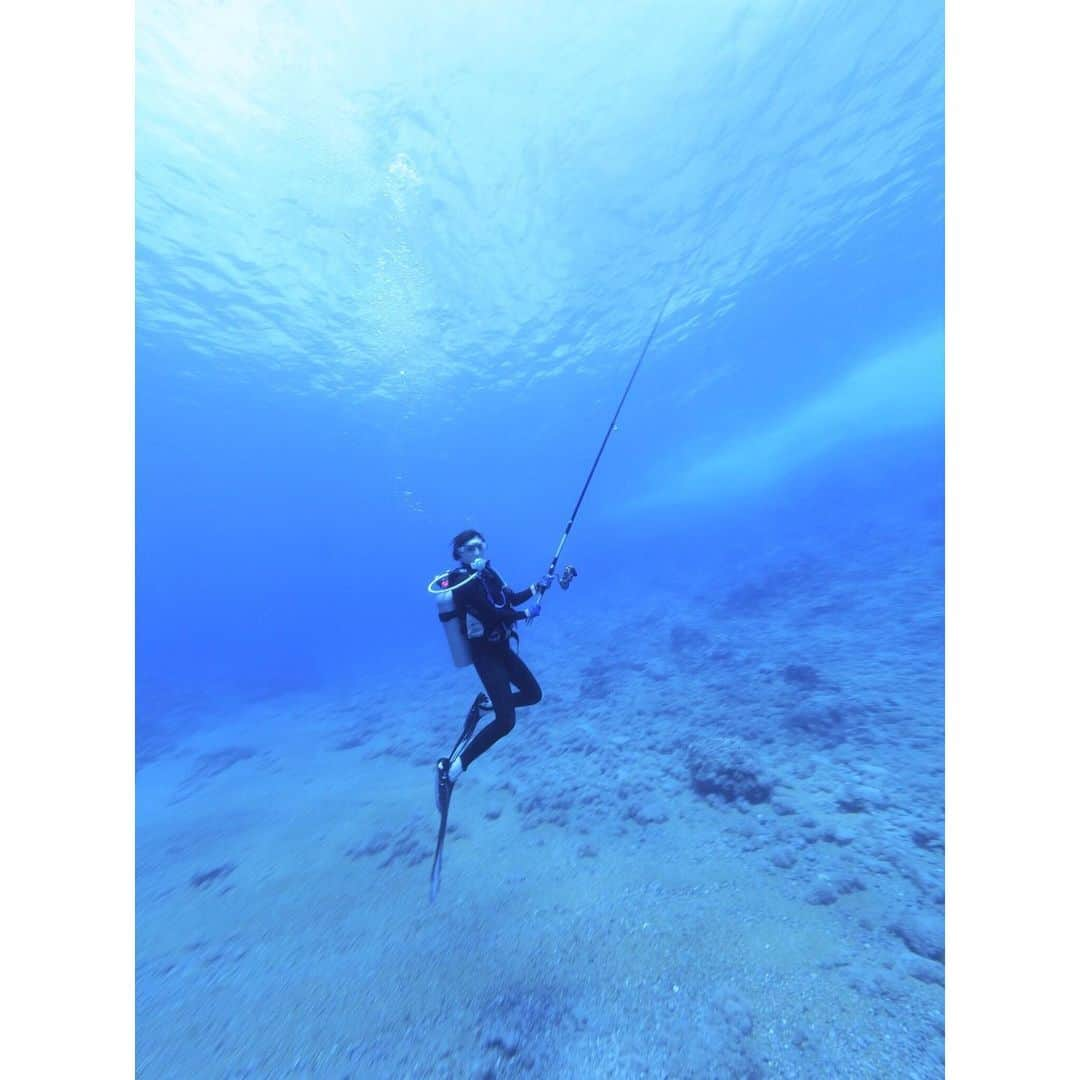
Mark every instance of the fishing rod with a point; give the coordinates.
(570, 573)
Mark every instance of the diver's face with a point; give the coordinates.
(472, 550)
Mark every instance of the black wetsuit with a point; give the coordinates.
(486, 608)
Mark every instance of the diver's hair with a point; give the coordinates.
(464, 538)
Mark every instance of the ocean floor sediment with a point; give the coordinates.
(714, 849)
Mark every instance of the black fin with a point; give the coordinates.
(436, 865)
(444, 789)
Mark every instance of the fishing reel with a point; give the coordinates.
(568, 575)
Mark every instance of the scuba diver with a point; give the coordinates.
(477, 610)
(481, 628)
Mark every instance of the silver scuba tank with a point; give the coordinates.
(448, 616)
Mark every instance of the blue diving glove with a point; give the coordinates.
(544, 583)
(531, 612)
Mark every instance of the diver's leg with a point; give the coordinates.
(528, 692)
(491, 667)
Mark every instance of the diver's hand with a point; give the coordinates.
(531, 613)
(544, 583)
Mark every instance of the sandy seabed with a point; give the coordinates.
(715, 849)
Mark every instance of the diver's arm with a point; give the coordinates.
(475, 600)
(516, 598)
(538, 588)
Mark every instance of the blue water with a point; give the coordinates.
(394, 268)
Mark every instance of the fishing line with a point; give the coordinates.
(569, 573)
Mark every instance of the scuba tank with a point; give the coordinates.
(443, 592)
